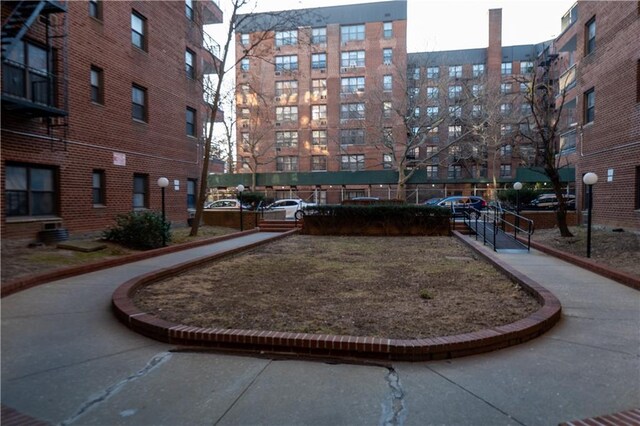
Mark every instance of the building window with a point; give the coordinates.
(319, 87)
(351, 84)
(352, 163)
(95, 9)
(505, 129)
(97, 85)
(139, 102)
(505, 170)
(506, 88)
(433, 72)
(416, 73)
(432, 93)
(318, 112)
(287, 63)
(432, 171)
(244, 39)
(286, 88)
(526, 67)
(477, 90)
(387, 161)
(287, 164)
(505, 151)
(287, 113)
(387, 83)
(387, 56)
(26, 74)
(140, 191)
(524, 88)
(352, 137)
(455, 92)
(191, 122)
(286, 38)
(30, 190)
(318, 61)
(455, 171)
(188, 9)
(287, 139)
(455, 71)
(432, 134)
(387, 136)
(589, 105)
(352, 111)
(319, 137)
(319, 35)
(387, 29)
(455, 111)
(351, 32)
(455, 132)
(476, 111)
(505, 109)
(189, 61)
(98, 188)
(505, 68)
(590, 36)
(432, 112)
(191, 193)
(478, 70)
(138, 30)
(245, 113)
(354, 58)
(387, 108)
(318, 163)
(245, 64)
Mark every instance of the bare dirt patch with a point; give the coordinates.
(402, 287)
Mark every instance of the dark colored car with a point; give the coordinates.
(462, 204)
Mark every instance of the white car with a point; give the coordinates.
(227, 204)
(290, 206)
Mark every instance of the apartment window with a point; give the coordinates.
(286, 38)
(455, 132)
(287, 164)
(318, 61)
(30, 190)
(590, 36)
(189, 60)
(353, 111)
(455, 92)
(387, 83)
(191, 122)
(352, 163)
(287, 63)
(98, 188)
(318, 112)
(505, 150)
(506, 88)
(416, 73)
(455, 71)
(140, 191)
(454, 171)
(432, 171)
(477, 89)
(414, 92)
(319, 35)
(505, 170)
(139, 102)
(188, 9)
(245, 113)
(433, 72)
(387, 108)
(351, 84)
(455, 111)
(505, 68)
(387, 136)
(387, 161)
(287, 139)
(191, 193)
(319, 137)
(589, 105)
(416, 112)
(526, 67)
(319, 87)
(505, 129)
(431, 152)
(244, 138)
(287, 113)
(318, 163)
(286, 88)
(26, 74)
(95, 9)
(97, 85)
(505, 109)
(244, 39)
(525, 109)
(524, 88)
(354, 58)
(352, 137)
(476, 110)
(351, 32)
(433, 134)
(387, 56)
(432, 93)
(387, 29)
(432, 112)
(244, 64)
(478, 70)
(138, 30)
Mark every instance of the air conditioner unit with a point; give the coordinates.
(344, 69)
(277, 99)
(278, 124)
(323, 96)
(322, 71)
(323, 122)
(245, 126)
(278, 73)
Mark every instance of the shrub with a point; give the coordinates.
(139, 230)
(509, 196)
(253, 198)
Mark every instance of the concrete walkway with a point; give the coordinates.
(66, 360)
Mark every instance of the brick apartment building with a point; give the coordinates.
(99, 100)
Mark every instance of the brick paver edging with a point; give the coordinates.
(58, 274)
(624, 418)
(304, 344)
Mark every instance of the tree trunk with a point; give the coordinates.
(401, 192)
(561, 213)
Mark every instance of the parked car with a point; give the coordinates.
(432, 201)
(462, 204)
(550, 202)
(227, 204)
(290, 206)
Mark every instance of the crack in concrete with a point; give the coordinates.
(103, 396)
(606, 349)
(393, 410)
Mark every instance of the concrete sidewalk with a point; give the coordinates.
(66, 360)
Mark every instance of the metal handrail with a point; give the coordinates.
(494, 216)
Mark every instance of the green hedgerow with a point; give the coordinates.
(139, 230)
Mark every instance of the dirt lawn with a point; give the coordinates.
(403, 288)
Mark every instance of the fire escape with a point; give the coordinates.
(34, 71)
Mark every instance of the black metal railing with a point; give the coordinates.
(30, 84)
(493, 219)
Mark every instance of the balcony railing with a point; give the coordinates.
(567, 80)
(29, 88)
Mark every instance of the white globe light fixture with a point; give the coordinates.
(589, 179)
(240, 189)
(517, 186)
(163, 182)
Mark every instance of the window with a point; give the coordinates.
(351, 32)
(191, 193)
(319, 87)
(568, 142)
(433, 72)
(455, 111)
(589, 105)
(413, 153)
(288, 63)
(318, 112)
(288, 113)
(455, 71)
(352, 162)
(524, 87)
(505, 170)
(286, 38)
(505, 129)
(318, 61)
(287, 139)
(414, 92)
(526, 67)
(319, 137)
(97, 85)
(352, 137)
(244, 39)
(433, 134)
(432, 171)
(188, 9)
(387, 29)
(455, 132)
(351, 84)
(287, 164)
(245, 113)
(189, 60)
(191, 122)
(387, 161)
(478, 70)
(319, 35)
(387, 135)
(416, 112)
(455, 171)
(590, 36)
(140, 191)
(352, 111)
(246, 142)
(387, 108)
(432, 93)
(477, 89)
(139, 102)
(505, 68)
(506, 88)
(318, 163)
(26, 74)
(353, 58)
(455, 92)
(387, 56)
(286, 88)
(138, 30)
(476, 111)
(505, 109)
(525, 109)
(98, 188)
(432, 153)
(416, 73)
(244, 64)
(387, 83)
(505, 150)
(95, 9)
(432, 112)
(30, 190)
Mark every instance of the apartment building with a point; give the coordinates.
(99, 100)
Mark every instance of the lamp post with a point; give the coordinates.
(163, 182)
(240, 188)
(589, 179)
(517, 186)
